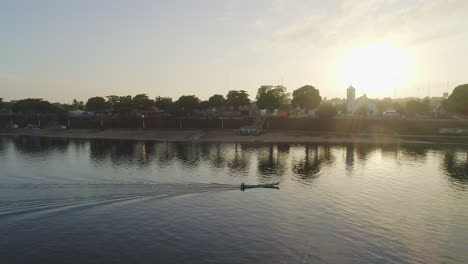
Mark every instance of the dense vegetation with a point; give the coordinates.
(268, 97)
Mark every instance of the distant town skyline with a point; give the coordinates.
(63, 50)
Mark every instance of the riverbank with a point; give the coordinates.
(229, 136)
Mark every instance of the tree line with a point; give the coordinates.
(268, 97)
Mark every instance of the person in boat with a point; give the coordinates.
(267, 185)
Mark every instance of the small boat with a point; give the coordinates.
(265, 185)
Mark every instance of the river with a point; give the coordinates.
(117, 201)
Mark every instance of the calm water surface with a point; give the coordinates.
(107, 201)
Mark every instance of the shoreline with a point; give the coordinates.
(229, 136)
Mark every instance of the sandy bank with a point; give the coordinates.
(229, 136)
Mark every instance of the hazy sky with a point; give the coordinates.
(60, 50)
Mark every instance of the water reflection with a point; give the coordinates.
(272, 159)
(239, 161)
(99, 150)
(123, 151)
(187, 154)
(456, 167)
(349, 157)
(415, 152)
(271, 164)
(39, 146)
(308, 168)
(216, 156)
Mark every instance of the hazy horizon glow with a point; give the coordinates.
(378, 67)
(61, 50)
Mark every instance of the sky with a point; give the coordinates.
(62, 50)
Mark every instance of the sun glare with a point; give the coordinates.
(375, 69)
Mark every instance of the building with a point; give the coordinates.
(353, 104)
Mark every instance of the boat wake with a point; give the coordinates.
(29, 198)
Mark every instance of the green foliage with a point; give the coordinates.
(217, 100)
(383, 105)
(326, 110)
(237, 98)
(97, 104)
(77, 104)
(458, 100)
(272, 97)
(414, 107)
(124, 104)
(142, 102)
(362, 111)
(204, 105)
(306, 97)
(112, 100)
(163, 103)
(188, 103)
(32, 106)
(399, 108)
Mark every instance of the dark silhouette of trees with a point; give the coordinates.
(112, 101)
(204, 105)
(163, 103)
(142, 102)
(77, 104)
(217, 100)
(237, 98)
(272, 97)
(97, 104)
(306, 97)
(32, 106)
(124, 104)
(326, 110)
(414, 107)
(187, 103)
(458, 100)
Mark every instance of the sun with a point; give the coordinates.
(376, 69)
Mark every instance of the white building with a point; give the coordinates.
(353, 104)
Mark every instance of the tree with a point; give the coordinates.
(237, 98)
(124, 104)
(31, 106)
(384, 104)
(399, 108)
(112, 100)
(78, 104)
(204, 105)
(142, 102)
(97, 104)
(326, 110)
(458, 99)
(414, 107)
(188, 102)
(362, 111)
(306, 97)
(217, 100)
(163, 103)
(272, 97)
